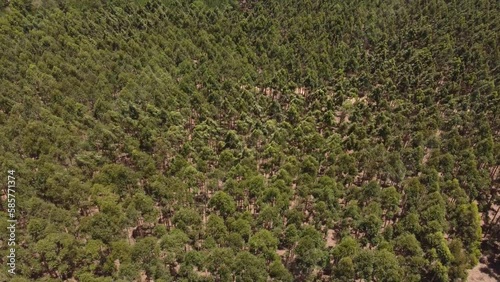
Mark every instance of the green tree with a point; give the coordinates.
(57, 253)
(248, 267)
(223, 203)
(263, 242)
(216, 228)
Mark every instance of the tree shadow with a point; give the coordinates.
(491, 258)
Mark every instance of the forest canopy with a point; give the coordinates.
(250, 140)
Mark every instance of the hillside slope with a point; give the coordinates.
(252, 141)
